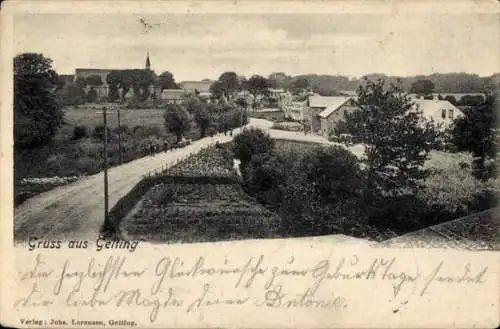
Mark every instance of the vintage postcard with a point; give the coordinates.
(249, 164)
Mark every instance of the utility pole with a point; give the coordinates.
(106, 205)
(119, 137)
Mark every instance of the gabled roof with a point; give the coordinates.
(430, 106)
(167, 94)
(333, 106)
(201, 86)
(326, 101)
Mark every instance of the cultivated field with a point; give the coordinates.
(200, 212)
(130, 117)
(172, 213)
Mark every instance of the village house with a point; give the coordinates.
(328, 107)
(200, 88)
(295, 110)
(172, 96)
(332, 114)
(440, 111)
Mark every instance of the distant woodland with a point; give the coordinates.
(443, 83)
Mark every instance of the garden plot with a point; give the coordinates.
(198, 213)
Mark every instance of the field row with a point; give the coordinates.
(199, 213)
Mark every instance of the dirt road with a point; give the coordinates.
(76, 211)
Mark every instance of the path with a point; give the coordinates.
(76, 211)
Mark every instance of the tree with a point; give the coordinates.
(202, 118)
(422, 87)
(81, 82)
(263, 176)
(250, 142)
(334, 174)
(451, 99)
(36, 68)
(258, 85)
(279, 80)
(217, 91)
(176, 120)
(229, 84)
(397, 139)
(94, 81)
(300, 84)
(91, 95)
(166, 81)
(471, 100)
(71, 95)
(192, 104)
(37, 114)
(475, 132)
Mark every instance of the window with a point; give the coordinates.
(450, 114)
(443, 114)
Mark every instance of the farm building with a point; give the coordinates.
(328, 107)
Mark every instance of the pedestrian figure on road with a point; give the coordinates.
(165, 146)
(151, 148)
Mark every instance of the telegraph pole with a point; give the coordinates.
(106, 205)
(119, 138)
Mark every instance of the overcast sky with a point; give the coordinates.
(205, 45)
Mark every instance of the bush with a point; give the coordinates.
(99, 132)
(138, 130)
(80, 132)
(55, 163)
(123, 129)
(262, 177)
(334, 174)
(250, 142)
(92, 95)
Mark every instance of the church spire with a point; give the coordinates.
(148, 62)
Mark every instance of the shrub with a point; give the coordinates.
(92, 95)
(55, 163)
(250, 142)
(123, 129)
(87, 147)
(334, 173)
(262, 177)
(99, 132)
(80, 132)
(138, 130)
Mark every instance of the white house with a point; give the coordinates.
(295, 110)
(440, 111)
(172, 96)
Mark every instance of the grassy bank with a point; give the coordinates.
(69, 156)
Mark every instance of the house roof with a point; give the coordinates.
(201, 86)
(326, 101)
(430, 106)
(172, 94)
(333, 106)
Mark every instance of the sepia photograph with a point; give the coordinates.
(182, 128)
(249, 164)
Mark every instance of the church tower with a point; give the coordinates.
(148, 62)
